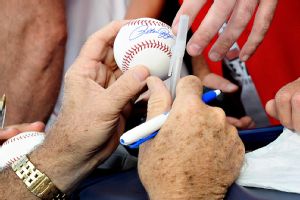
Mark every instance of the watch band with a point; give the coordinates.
(36, 181)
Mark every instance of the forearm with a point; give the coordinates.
(11, 187)
(144, 8)
(32, 39)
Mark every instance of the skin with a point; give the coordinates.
(92, 117)
(32, 38)
(239, 13)
(211, 80)
(286, 106)
(11, 131)
(144, 8)
(197, 154)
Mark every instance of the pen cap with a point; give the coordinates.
(183, 27)
(178, 52)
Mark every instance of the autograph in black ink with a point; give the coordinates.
(143, 30)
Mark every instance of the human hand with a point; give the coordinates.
(91, 120)
(239, 14)
(196, 155)
(286, 106)
(11, 131)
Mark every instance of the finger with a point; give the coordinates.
(217, 82)
(187, 87)
(190, 8)
(234, 121)
(95, 46)
(209, 27)
(36, 126)
(263, 18)
(238, 21)
(8, 133)
(127, 87)
(271, 108)
(160, 99)
(283, 105)
(247, 122)
(296, 111)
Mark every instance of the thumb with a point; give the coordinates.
(160, 99)
(218, 82)
(7, 133)
(36, 126)
(127, 87)
(187, 86)
(271, 108)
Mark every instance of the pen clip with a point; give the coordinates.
(141, 141)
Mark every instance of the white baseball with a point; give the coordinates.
(16, 147)
(147, 42)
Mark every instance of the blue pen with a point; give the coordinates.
(148, 130)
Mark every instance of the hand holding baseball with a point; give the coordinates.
(91, 120)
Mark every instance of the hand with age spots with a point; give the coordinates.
(197, 154)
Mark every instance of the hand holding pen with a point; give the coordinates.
(146, 131)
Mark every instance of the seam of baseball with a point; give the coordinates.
(21, 138)
(147, 22)
(12, 160)
(147, 44)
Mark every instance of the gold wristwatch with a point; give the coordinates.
(36, 181)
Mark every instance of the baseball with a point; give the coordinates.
(147, 42)
(14, 148)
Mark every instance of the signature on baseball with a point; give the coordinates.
(144, 30)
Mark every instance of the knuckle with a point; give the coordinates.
(296, 100)
(283, 97)
(189, 81)
(226, 42)
(219, 113)
(203, 36)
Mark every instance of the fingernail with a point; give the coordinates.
(141, 73)
(231, 87)
(215, 56)
(245, 58)
(194, 49)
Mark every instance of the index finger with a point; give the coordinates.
(95, 46)
(209, 27)
(190, 8)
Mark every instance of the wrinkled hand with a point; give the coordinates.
(286, 106)
(11, 131)
(89, 125)
(239, 13)
(196, 154)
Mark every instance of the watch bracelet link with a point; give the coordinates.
(36, 182)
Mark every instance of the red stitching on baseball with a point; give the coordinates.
(147, 22)
(32, 134)
(12, 160)
(148, 44)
